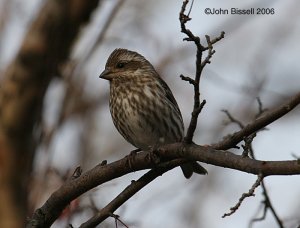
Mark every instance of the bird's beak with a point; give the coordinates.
(106, 74)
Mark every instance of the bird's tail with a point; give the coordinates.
(192, 167)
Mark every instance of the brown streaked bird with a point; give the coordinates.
(142, 105)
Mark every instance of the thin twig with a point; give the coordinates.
(266, 205)
(188, 79)
(117, 219)
(259, 218)
(233, 119)
(244, 196)
(261, 110)
(248, 146)
(269, 205)
(267, 201)
(184, 18)
(190, 8)
(215, 40)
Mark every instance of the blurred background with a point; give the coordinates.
(258, 58)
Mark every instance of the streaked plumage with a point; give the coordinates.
(142, 106)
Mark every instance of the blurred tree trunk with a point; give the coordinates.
(45, 47)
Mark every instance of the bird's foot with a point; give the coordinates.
(131, 157)
(153, 156)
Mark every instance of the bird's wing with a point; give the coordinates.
(168, 93)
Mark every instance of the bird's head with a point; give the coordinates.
(124, 65)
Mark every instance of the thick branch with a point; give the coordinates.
(47, 214)
(229, 160)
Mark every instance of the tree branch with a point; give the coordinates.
(261, 122)
(48, 213)
(249, 150)
(244, 196)
(268, 204)
(129, 191)
(184, 18)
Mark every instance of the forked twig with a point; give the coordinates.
(200, 64)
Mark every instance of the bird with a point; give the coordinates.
(142, 106)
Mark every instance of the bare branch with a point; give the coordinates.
(184, 18)
(261, 122)
(248, 146)
(249, 150)
(244, 196)
(261, 110)
(260, 218)
(267, 201)
(47, 214)
(269, 205)
(188, 79)
(117, 219)
(232, 119)
(129, 191)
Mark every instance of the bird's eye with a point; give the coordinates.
(120, 65)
